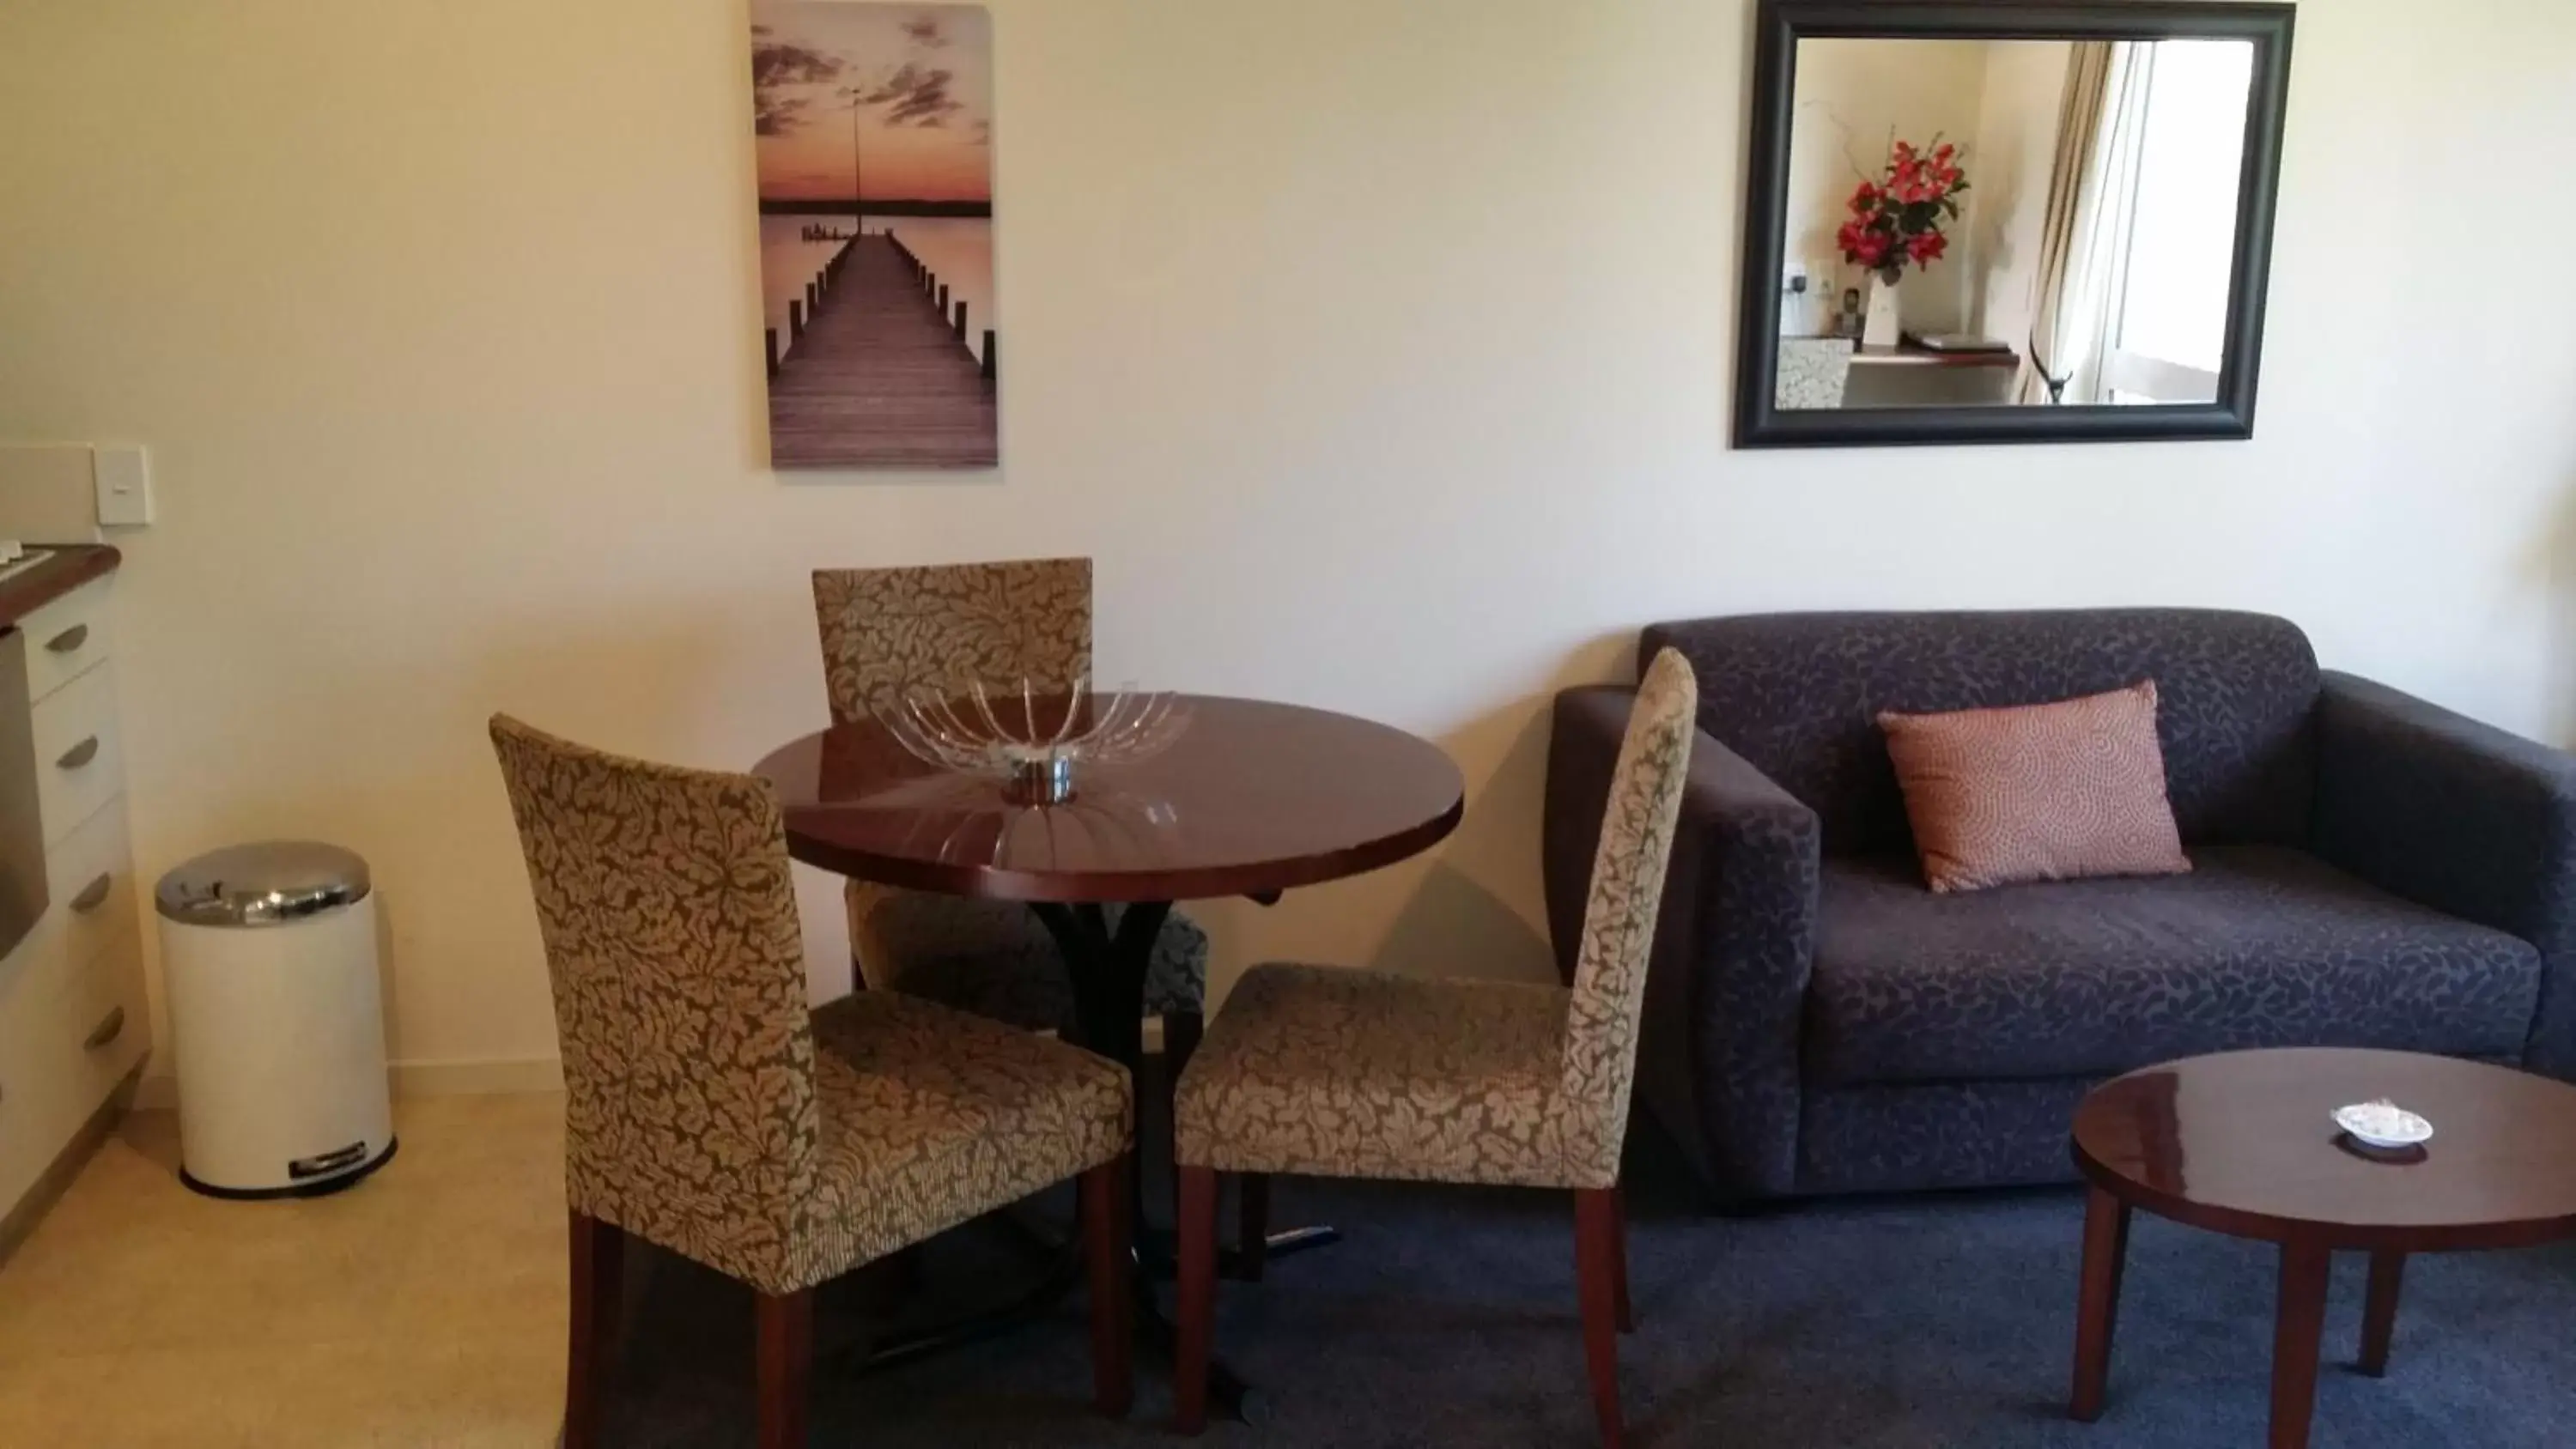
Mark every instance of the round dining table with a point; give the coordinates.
(1252, 799)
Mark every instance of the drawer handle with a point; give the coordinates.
(79, 754)
(92, 896)
(108, 1030)
(69, 640)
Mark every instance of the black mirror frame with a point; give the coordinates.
(1781, 24)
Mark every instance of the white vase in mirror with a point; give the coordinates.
(1886, 323)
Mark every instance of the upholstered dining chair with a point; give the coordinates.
(884, 629)
(1345, 1073)
(707, 1111)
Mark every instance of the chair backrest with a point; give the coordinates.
(679, 985)
(1798, 695)
(1628, 871)
(884, 629)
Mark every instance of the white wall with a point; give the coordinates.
(2014, 163)
(1378, 351)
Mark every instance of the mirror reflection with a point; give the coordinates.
(2010, 223)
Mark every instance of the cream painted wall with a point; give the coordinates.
(2015, 158)
(1855, 97)
(1377, 350)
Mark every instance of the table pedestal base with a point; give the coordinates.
(1108, 972)
(1040, 1300)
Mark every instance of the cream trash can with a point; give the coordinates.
(268, 954)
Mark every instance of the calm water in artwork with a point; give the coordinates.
(883, 110)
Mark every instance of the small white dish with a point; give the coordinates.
(2383, 1124)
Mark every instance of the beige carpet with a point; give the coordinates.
(424, 1308)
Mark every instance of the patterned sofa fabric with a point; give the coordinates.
(1932, 1136)
(2259, 946)
(1812, 1026)
(2463, 817)
(1797, 695)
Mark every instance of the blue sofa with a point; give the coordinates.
(2369, 870)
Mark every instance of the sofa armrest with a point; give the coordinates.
(1726, 990)
(2462, 817)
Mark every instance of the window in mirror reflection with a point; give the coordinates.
(2085, 259)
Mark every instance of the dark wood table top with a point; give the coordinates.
(1253, 798)
(2244, 1143)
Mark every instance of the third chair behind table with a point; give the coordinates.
(885, 630)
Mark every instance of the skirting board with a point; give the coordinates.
(490, 1078)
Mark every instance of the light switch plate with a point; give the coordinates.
(124, 478)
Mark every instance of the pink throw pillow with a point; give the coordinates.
(2040, 792)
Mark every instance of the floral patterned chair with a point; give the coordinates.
(708, 1112)
(1345, 1073)
(885, 628)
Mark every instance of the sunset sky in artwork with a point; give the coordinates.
(925, 73)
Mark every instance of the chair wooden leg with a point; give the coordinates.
(786, 1336)
(1107, 1235)
(1596, 1262)
(1252, 1225)
(598, 1263)
(1619, 1262)
(1182, 1032)
(1197, 1298)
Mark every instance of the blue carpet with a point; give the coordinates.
(1447, 1318)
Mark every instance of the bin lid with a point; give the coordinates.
(266, 884)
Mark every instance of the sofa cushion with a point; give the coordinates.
(2063, 791)
(2258, 947)
(1798, 695)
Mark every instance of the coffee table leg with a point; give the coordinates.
(2097, 1310)
(2379, 1318)
(2304, 1270)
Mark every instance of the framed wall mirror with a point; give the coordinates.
(1974, 221)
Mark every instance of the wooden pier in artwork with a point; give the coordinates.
(876, 371)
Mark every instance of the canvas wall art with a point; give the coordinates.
(874, 125)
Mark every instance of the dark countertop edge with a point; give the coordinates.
(72, 565)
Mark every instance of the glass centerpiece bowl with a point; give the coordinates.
(1031, 736)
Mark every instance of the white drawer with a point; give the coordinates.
(41, 1076)
(79, 767)
(89, 881)
(69, 1032)
(104, 1019)
(66, 637)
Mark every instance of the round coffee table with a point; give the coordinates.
(2244, 1144)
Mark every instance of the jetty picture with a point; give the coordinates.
(874, 127)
